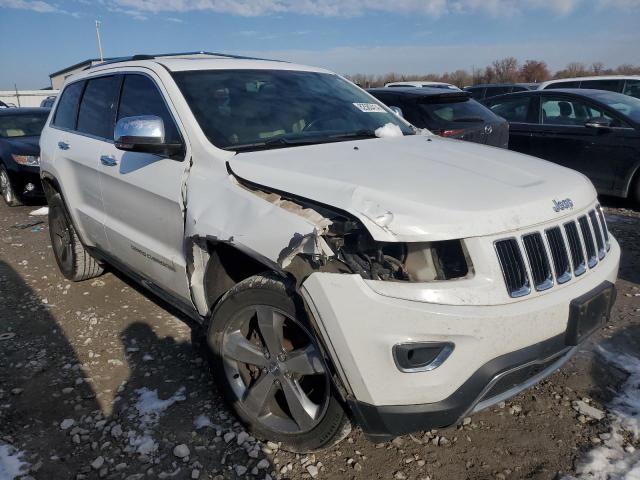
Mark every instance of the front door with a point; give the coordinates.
(142, 195)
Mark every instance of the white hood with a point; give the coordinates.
(421, 188)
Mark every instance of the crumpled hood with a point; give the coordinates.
(421, 188)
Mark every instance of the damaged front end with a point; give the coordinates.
(340, 243)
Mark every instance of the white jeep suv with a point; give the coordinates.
(346, 267)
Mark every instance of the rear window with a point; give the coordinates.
(67, 111)
(446, 114)
(495, 91)
(98, 107)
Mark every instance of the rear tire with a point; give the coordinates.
(270, 368)
(74, 261)
(6, 189)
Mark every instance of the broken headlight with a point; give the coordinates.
(409, 262)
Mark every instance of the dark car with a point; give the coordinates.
(593, 131)
(48, 102)
(451, 114)
(488, 90)
(20, 153)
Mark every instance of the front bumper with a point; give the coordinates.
(26, 176)
(499, 349)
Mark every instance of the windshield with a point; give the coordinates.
(22, 125)
(253, 109)
(629, 106)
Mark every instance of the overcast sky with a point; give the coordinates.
(348, 36)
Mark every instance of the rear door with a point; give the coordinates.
(142, 194)
(566, 140)
(84, 128)
(519, 111)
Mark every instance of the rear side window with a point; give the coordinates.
(67, 110)
(477, 93)
(140, 96)
(514, 110)
(98, 107)
(610, 85)
(564, 85)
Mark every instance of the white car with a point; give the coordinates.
(346, 269)
(425, 83)
(625, 84)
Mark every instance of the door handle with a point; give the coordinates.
(63, 145)
(108, 161)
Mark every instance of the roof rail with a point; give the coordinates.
(168, 55)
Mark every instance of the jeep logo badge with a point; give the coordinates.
(559, 205)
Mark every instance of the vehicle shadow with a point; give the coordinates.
(42, 381)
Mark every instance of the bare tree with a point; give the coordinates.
(534, 71)
(506, 70)
(597, 68)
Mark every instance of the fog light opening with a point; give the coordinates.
(421, 356)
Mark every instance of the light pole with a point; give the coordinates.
(98, 23)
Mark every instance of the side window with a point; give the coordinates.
(632, 88)
(560, 111)
(477, 93)
(140, 96)
(611, 85)
(98, 107)
(495, 91)
(565, 85)
(514, 110)
(67, 110)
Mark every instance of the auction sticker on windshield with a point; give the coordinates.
(370, 107)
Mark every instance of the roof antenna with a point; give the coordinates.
(98, 24)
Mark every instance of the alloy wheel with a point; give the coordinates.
(61, 237)
(275, 369)
(5, 186)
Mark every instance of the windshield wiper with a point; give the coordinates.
(287, 141)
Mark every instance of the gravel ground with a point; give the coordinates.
(98, 380)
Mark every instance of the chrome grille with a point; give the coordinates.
(575, 247)
(559, 255)
(587, 238)
(598, 233)
(603, 224)
(513, 268)
(538, 261)
(555, 256)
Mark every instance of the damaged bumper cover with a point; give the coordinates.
(496, 351)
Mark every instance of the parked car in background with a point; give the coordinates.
(20, 130)
(488, 90)
(425, 83)
(48, 102)
(447, 113)
(627, 85)
(593, 131)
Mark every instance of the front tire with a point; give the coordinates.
(270, 368)
(74, 261)
(6, 189)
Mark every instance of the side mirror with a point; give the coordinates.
(397, 111)
(598, 122)
(143, 134)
